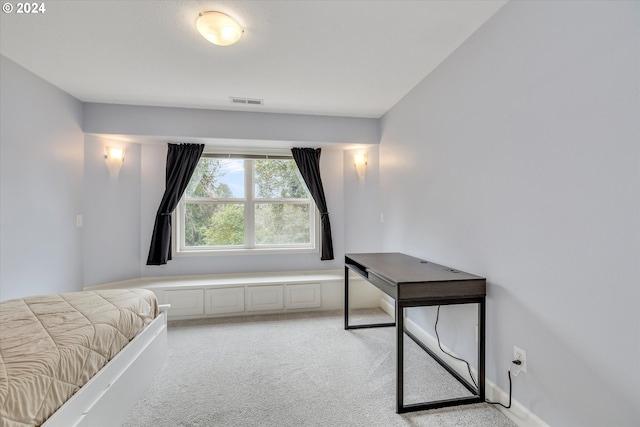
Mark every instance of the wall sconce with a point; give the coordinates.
(360, 161)
(115, 158)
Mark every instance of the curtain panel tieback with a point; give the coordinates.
(182, 160)
(308, 162)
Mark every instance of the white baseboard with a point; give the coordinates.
(518, 413)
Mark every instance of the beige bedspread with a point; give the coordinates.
(52, 345)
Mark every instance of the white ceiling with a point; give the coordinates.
(344, 58)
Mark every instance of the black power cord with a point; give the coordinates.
(449, 354)
(502, 404)
(516, 362)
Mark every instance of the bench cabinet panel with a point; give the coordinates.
(260, 298)
(224, 300)
(185, 302)
(302, 296)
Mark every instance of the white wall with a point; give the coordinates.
(229, 125)
(363, 228)
(111, 213)
(518, 159)
(41, 150)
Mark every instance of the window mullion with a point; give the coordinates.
(249, 206)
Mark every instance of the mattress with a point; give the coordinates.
(50, 346)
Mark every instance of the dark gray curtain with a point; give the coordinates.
(308, 161)
(182, 160)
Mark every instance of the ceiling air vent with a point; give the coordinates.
(246, 101)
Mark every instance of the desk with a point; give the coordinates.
(413, 282)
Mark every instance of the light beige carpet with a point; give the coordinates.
(296, 370)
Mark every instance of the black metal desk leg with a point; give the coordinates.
(481, 346)
(399, 357)
(346, 298)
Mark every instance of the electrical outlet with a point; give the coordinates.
(521, 355)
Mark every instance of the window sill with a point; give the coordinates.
(233, 252)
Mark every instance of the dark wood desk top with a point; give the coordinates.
(406, 277)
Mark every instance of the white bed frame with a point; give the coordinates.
(107, 398)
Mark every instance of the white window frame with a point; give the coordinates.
(249, 201)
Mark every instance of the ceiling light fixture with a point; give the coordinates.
(218, 28)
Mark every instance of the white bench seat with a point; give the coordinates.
(213, 295)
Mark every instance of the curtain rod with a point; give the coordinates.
(248, 156)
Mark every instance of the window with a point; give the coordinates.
(245, 204)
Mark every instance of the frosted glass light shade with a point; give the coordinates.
(360, 161)
(218, 28)
(115, 154)
(114, 157)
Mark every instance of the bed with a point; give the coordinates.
(78, 359)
